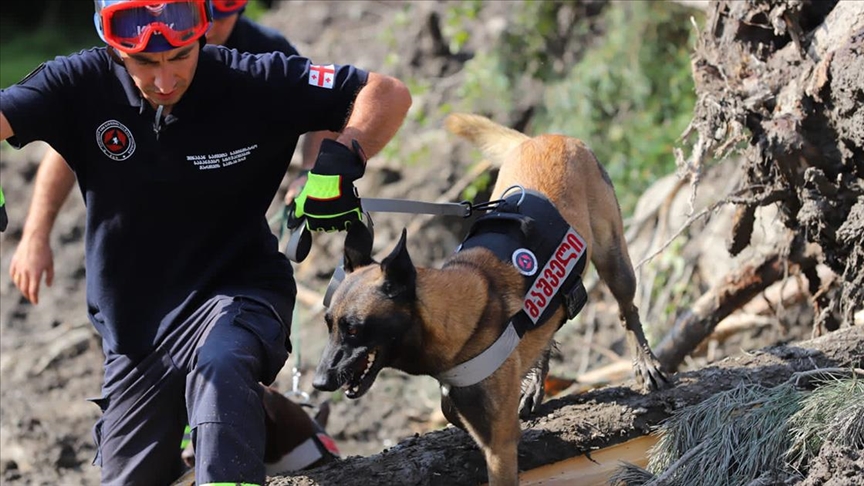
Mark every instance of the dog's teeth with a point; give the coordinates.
(370, 360)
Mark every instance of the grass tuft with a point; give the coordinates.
(753, 435)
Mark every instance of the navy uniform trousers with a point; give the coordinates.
(208, 370)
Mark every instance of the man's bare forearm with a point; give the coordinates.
(378, 113)
(54, 182)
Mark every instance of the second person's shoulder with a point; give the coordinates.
(249, 36)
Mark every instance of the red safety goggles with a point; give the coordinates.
(129, 26)
(223, 8)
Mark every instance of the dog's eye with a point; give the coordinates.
(350, 327)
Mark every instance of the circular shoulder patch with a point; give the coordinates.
(115, 140)
(525, 261)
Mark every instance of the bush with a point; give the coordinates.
(631, 97)
(618, 77)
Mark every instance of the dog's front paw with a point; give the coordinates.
(532, 394)
(649, 375)
(533, 391)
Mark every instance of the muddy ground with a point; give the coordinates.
(50, 359)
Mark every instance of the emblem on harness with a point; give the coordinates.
(115, 140)
(525, 261)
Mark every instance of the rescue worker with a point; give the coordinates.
(33, 258)
(179, 149)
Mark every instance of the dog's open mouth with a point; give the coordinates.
(365, 370)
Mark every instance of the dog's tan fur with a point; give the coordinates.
(436, 319)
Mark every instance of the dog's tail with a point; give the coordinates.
(494, 140)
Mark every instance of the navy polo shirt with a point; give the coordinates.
(247, 36)
(176, 210)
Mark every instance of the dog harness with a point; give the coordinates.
(306, 453)
(526, 230)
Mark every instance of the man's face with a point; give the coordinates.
(221, 29)
(163, 77)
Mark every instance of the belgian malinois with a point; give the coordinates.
(428, 321)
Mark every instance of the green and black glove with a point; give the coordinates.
(329, 200)
(4, 220)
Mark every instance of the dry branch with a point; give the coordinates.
(569, 426)
(738, 288)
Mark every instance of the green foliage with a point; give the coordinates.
(668, 277)
(527, 43)
(631, 97)
(387, 37)
(487, 87)
(482, 183)
(455, 17)
(255, 9)
(21, 51)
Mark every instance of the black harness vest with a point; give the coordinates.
(527, 231)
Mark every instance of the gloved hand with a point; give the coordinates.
(329, 200)
(4, 220)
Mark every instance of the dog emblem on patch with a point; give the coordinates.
(115, 140)
(525, 261)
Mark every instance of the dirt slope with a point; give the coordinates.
(50, 359)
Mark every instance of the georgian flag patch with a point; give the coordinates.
(322, 76)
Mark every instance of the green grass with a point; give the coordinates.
(22, 51)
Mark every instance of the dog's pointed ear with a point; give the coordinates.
(358, 247)
(400, 276)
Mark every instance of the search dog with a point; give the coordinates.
(427, 321)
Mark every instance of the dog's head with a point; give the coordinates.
(371, 316)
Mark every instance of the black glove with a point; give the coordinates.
(329, 200)
(4, 220)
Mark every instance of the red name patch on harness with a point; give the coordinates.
(556, 270)
(329, 443)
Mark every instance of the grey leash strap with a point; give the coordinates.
(462, 209)
(335, 280)
(419, 207)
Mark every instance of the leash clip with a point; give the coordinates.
(295, 392)
(496, 204)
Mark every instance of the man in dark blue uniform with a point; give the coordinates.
(179, 149)
(33, 259)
